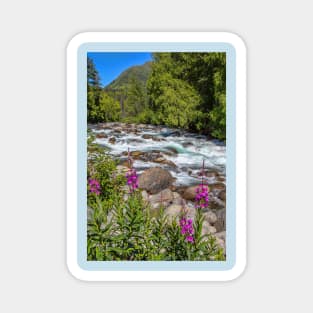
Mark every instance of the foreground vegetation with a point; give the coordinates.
(121, 227)
(184, 90)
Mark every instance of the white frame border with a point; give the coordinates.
(95, 37)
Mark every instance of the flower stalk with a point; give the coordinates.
(202, 193)
(131, 175)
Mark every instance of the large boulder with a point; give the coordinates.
(145, 196)
(173, 211)
(207, 228)
(177, 199)
(210, 217)
(222, 195)
(155, 179)
(220, 223)
(215, 203)
(190, 193)
(163, 198)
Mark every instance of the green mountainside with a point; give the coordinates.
(139, 72)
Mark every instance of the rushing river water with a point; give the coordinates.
(180, 152)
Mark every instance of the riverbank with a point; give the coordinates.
(169, 165)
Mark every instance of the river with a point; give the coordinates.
(180, 152)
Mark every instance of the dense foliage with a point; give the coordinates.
(184, 90)
(120, 226)
(188, 90)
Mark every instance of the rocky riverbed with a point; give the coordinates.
(169, 164)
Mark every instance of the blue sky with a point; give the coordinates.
(111, 64)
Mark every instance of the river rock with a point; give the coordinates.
(155, 179)
(173, 211)
(164, 161)
(170, 163)
(101, 135)
(163, 198)
(207, 228)
(221, 235)
(112, 140)
(145, 196)
(101, 126)
(187, 144)
(210, 217)
(190, 212)
(222, 195)
(125, 164)
(175, 133)
(221, 240)
(157, 138)
(221, 179)
(159, 160)
(190, 193)
(210, 173)
(171, 150)
(220, 223)
(136, 154)
(215, 203)
(177, 199)
(216, 188)
(146, 136)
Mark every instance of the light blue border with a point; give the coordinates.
(230, 157)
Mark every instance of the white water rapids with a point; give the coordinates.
(186, 150)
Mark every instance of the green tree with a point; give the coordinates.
(108, 109)
(93, 78)
(93, 90)
(176, 103)
(136, 98)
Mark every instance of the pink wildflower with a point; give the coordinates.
(94, 186)
(187, 229)
(132, 177)
(202, 193)
(202, 196)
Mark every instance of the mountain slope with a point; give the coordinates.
(139, 72)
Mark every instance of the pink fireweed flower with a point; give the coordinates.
(131, 175)
(190, 238)
(94, 186)
(132, 179)
(202, 196)
(202, 192)
(187, 229)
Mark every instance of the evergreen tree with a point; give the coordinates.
(136, 98)
(93, 78)
(93, 90)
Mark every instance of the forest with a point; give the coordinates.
(181, 90)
